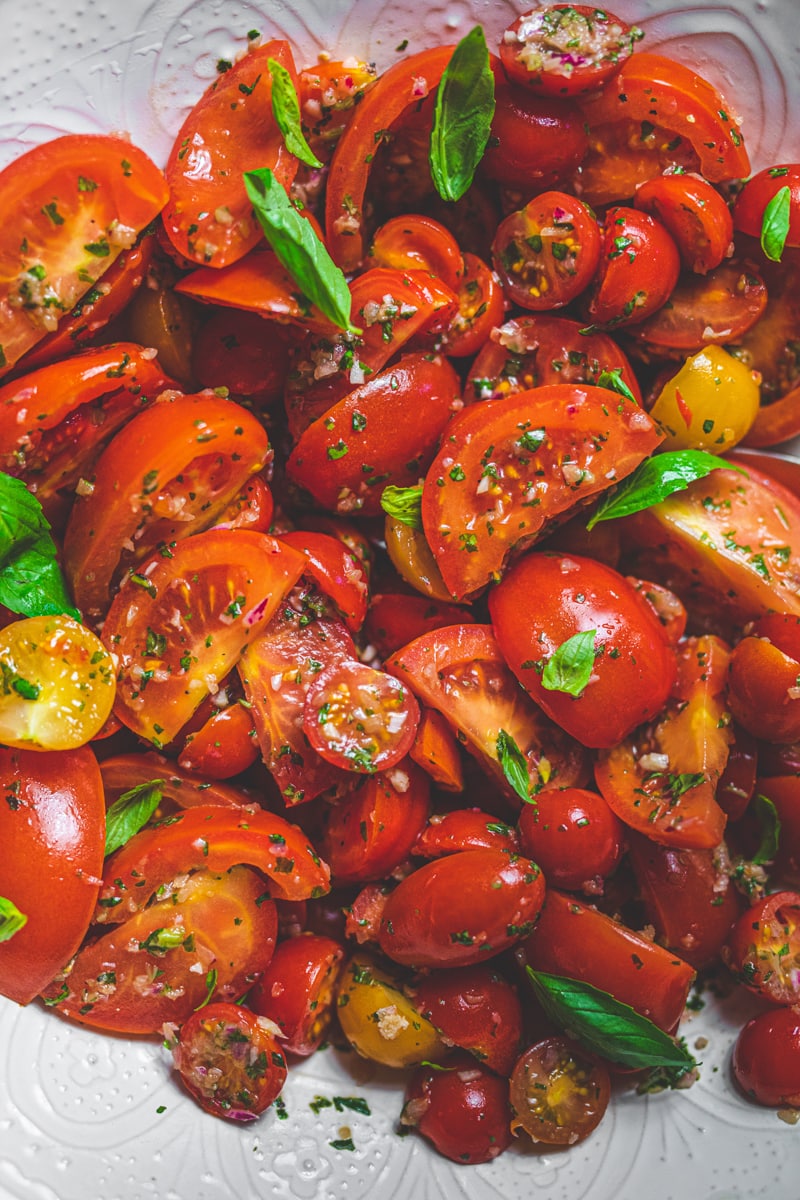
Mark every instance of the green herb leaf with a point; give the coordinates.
(654, 480)
(31, 582)
(286, 111)
(130, 812)
(11, 919)
(615, 383)
(298, 248)
(775, 224)
(606, 1026)
(569, 667)
(211, 984)
(462, 117)
(770, 824)
(515, 768)
(404, 504)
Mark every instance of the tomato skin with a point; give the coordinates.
(229, 1062)
(737, 783)
(462, 1109)
(538, 140)
(575, 940)
(481, 306)
(694, 213)
(417, 242)
(553, 50)
(394, 619)
(53, 831)
(252, 509)
(766, 1058)
(211, 839)
(179, 788)
(489, 507)
(243, 352)
(547, 253)
(465, 829)
(435, 749)
(130, 191)
(784, 792)
(704, 311)
(476, 1009)
(430, 917)
(573, 835)
(577, 595)
(748, 212)
(369, 1003)
(763, 677)
(336, 571)
(756, 950)
(230, 130)
(581, 1090)
(639, 267)
(224, 746)
(296, 991)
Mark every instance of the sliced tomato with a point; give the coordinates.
(244, 353)
(395, 618)
(74, 204)
(224, 746)
(181, 625)
(764, 945)
(639, 267)
(566, 49)
(465, 829)
(329, 93)
(230, 130)
(481, 305)
(297, 990)
(762, 682)
(435, 749)
(410, 555)
(559, 1094)
(252, 509)
(336, 571)
(548, 252)
(713, 309)
(208, 936)
(510, 467)
(178, 787)
(475, 1008)
(416, 242)
(694, 213)
(169, 473)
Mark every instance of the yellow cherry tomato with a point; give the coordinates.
(710, 404)
(379, 1020)
(412, 559)
(57, 684)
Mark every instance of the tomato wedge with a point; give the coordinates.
(74, 205)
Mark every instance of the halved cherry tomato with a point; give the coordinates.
(242, 352)
(559, 1094)
(435, 749)
(209, 839)
(508, 467)
(181, 625)
(481, 305)
(574, 837)
(694, 213)
(762, 683)
(230, 1061)
(336, 571)
(74, 204)
(763, 949)
(207, 936)
(224, 746)
(548, 252)
(534, 140)
(410, 555)
(566, 49)
(713, 309)
(416, 242)
(748, 212)
(230, 130)
(766, 1058)
(465, 829)
(297, 990)
(52, 824)
(475, 1008)
(169, 473)
(394, 619)
(160, 318)
(252, 509)
(461, 1108)
(639, 267)
(380, 1021)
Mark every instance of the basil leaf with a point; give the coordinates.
(514, 766)
(131, 811)
(31, 582)
(654, 480)
(462, 117)
(775, 223)
(606, 1026)
(569, 667)
(11, 919)
(770, 824)
(615, 383)
(404, 504)
(298, 248)
(286, 111)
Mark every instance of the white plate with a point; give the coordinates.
(80, 1113)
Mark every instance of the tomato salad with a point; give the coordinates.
(388, 654)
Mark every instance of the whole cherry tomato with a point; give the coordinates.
(574, 837)
(534, 140)
(461, 1107)
(766, 1058)
(759, 191)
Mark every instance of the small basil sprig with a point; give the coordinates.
(606, 1026)
(404, 504)
(770, 824)
(569, 667)
(775, 224)
(130, 812)
(11, 919)
(462, 117)
(298, 248)
(655, 479)
(286, 111)
(31, 582)
(514, 766)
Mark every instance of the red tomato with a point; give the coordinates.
(481, 305)
(224, 746)
(435, 749)
(559, 1094)
(451, 912)
(211, 839)
(534, 140)
(373, 831)
(414, 242)
(694, 213)
(395, 618)
(169, 473)
(297, 990)
(460, 672)
(53, 832)
(230, 1062)
(639, 267)
(763, 948)
(208, 936)
(737, 783)
(252, 509)
(665, 606)
(748, 212)
(181, 625)
(632, 670)
(575, 940)
(384, 432)
(713, 309)
(508, 467)
(766, 1058)
(574, 837)
(329, 93)
(461, 1107)
(242, 352)
(74, 204)
(230, 130)
(784, 792)
(465, 829)
(548, 252)
(179, 789)
(565, 49)
(476, 1009)
(336, 571)
(762, 680)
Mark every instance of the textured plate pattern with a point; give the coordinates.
(79, 1113)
